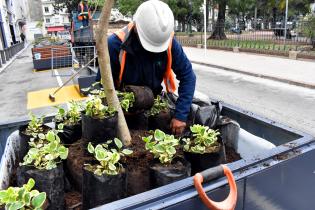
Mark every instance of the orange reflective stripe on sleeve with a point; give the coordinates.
(122, 65)
(123, 35)
(169, 78)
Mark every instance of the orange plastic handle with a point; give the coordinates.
(229, 203)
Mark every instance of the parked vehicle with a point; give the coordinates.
(64, 35)
(236, 30)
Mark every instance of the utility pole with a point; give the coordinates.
(286, 19)
(205, 26)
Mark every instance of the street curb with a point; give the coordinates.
(256, 75)
(3, 68)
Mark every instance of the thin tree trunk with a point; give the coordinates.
(212, 21)
(218, 32)
(207, 14)
(106, 72)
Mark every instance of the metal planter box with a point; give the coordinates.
(283, 178)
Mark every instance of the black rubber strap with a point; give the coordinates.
(212, 173)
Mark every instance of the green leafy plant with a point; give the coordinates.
(126, 99)
(309, 29)
(46, 153)
(22, 197)
(162, 146)
(95, 108)
(95, 89)
(108, 159)
(204, 139)
(39, 140)
(35, 126)
(70, 117)
(158, 106)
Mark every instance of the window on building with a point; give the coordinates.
(57, 21)
(46, 9)
(47, 20)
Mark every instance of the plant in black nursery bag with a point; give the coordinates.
(105, 173)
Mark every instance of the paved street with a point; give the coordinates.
(16, 81)
(284, 103)
(277, 68)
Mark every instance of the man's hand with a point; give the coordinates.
(177, 126)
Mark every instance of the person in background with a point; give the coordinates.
(84, 14)
(145, 53)
(22, 36)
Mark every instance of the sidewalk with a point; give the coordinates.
(296, 72)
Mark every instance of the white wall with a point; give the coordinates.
(52, 19)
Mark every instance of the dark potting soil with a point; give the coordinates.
(77, 156)
(73, 200)
(176, 166)
(231, 155)
(161, 121)
(138, 178)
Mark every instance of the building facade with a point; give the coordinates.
(13, 18)
(54, 21)
(34, 27)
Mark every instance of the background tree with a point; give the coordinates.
(242, 10)
(218, 32)
(128, 7)
(71, 5)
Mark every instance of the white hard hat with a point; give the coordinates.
(155, 23)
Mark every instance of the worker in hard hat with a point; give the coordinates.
(145, 53)
(84, 14)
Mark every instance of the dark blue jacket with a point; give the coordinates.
(145, 68)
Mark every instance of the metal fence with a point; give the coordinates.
(256, 39)
(10, 52)
(296, 34)
(72, 58)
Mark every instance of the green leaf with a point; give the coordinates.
(61, 111)
(60, 126)
(85, 89)
(186, 148)
(159, 135)
(159, 148)
(115, 158)
(53, 146)
(147, 139)
(127, 151)
(50, 136)
(111, 166)
(118, 143)
(41, 136)
(171, 150)
(90, 148)
(149, 146)
(16, 205)
(100, 155)
(34, 193)
(98, 172)
(3, 194)
(30, 184)
(21, 193)
(63, 152)
(39, 200)
(27, 198)
(49, 157)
